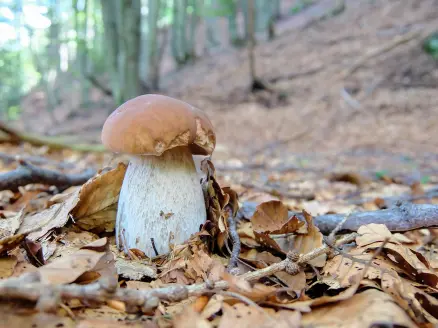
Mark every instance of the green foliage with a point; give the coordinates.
(430, 45)
(11, 85)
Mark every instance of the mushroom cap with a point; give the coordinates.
(151, 124)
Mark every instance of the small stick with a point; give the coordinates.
(232, 226)
(153, 246)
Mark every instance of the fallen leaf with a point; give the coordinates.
(304, 243)
(69, 268)
(369, 308)
(10, 225)
(372, 233)
(272, 217)
(95, 195)
(246, 316)
(189, 318)
(7, 265)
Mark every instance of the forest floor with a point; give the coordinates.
(386, 104)
(349, 129)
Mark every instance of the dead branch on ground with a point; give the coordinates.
(38, 160)
(14, 136)
(403, 216)
(27, 173)
(28, 287)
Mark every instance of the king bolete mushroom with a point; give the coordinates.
(161, 195)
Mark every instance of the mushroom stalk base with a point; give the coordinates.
(161, 199)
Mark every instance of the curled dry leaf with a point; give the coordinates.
(418, 304)
(304, 243)
(272, 217)
(375, 309)
(97, 194)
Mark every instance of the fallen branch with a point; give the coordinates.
(7, 158)
(14, 136)
(27, 173)
(403, 216)
(232, 228)
(27, 286)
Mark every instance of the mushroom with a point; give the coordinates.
(161, 200)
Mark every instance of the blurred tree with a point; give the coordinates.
(154, 66)
(121, 20)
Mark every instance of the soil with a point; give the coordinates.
(386, 108)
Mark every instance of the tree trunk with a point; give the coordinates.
(232, 24)
(154, 69)
(193, 22)
(129, 38)
(122, 20)
(251, 39)
(211, 27)
(109, 16)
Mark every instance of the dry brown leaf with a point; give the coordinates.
(69, 268)
(102, 221)
(95, 195)
(306, 242)
(372, 233)
(413, 263)
(414, 301)
(7, 266)
(246, 316)
(272, 217)
(367, 309)
(70, 242)
(263, 259)
(12, 318)
(11, 242)
(213, 306)
(255, 292)
(307, 305)
(189, 318)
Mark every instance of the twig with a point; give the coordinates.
(27, 173)
(15, 136)
(154, 247)
(28, 287)
(401, 217)
(232, 228)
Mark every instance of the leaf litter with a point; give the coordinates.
(69, 241)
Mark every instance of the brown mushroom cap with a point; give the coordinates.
(151, 124)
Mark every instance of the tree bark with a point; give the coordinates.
(251, 39)
(154, 68)
(112, 45)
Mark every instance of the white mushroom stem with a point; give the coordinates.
(161, 198)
